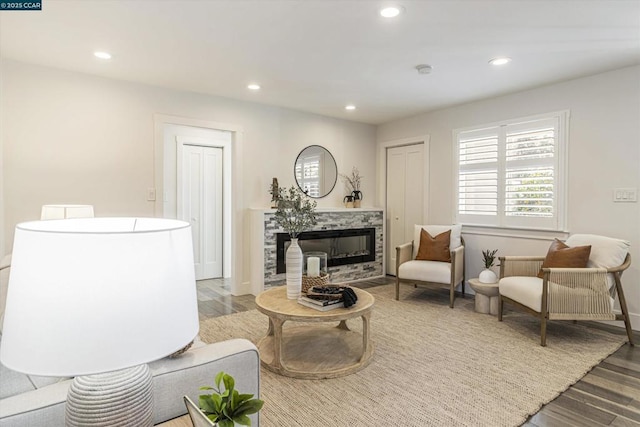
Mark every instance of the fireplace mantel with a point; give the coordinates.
(263, 244)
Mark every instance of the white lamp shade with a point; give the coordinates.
(95, 295)
(66, 211)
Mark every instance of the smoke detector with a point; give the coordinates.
(424, 69)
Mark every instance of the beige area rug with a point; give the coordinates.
(433, 366)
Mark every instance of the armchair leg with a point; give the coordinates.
(543, 331)
(627, 325)
(500, 307)
(452, 296)
(623, 308)
(397, 288)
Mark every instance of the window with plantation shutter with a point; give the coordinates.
(512, 174)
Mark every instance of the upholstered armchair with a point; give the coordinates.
(538, 286)
(430, 260)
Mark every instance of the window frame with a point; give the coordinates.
(560, 166)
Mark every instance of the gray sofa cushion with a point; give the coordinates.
(13, 382)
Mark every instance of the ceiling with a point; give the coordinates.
(318, 56)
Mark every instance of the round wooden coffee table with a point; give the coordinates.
(313, 350)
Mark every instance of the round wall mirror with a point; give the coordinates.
(315, 171)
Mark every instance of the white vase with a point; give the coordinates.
(294, 269)
(487, 276)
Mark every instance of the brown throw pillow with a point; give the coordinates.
(563, 256)
(434, 248)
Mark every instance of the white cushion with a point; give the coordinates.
(606, 252)
(528, 291)
(426, 271)
(523, 289)
(454, 241)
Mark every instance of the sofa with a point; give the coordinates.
(27, 400)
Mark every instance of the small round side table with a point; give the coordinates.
(487, 299)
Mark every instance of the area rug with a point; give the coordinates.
(433, 366)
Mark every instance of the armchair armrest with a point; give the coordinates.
(457, 265)
(403, 254)
(520, 265)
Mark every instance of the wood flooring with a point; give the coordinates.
(609, 395)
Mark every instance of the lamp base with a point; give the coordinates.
(113, 399)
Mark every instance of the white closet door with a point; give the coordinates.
(405, 197)
(200, 203)
(395, 204)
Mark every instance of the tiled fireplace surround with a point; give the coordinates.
(328, 219)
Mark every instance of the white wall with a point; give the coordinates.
(75, 138)
(604, 153)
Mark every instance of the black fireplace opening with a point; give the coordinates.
(343, 247)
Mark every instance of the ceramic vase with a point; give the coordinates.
(294, 269)
(487, 276)
(357, 198)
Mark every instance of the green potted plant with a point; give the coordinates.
(228, 407)
(487, 275)
(295, 211)
(295, 214)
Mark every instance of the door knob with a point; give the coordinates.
(193, 220)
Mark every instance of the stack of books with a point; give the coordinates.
(321, 304)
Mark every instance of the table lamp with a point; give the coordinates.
(98, 298)
(66, 211)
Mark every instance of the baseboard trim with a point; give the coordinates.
(633, 317)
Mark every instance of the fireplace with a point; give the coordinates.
(343, 247)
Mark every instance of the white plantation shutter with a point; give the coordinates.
(308, 174)
(478, 175)
(512, 174)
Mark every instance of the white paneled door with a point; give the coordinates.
(405, 197)
(200, 203)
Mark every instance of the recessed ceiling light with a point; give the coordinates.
(500, 61)
(390, 12)
(253, 86)
(424, 68)
(102, 55)
(350, 107)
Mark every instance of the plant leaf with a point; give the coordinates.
(217, 401)
(250, 407)
(219, 378)
(244, 397)
(225, 423)
(206, 403)
(242, 420)
(229, 382)
(234, 401)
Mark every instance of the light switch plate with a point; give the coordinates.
(625, 195)
(151, 194)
